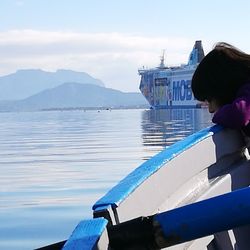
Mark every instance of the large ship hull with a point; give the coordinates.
(165, 87)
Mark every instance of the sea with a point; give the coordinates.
(54, 165)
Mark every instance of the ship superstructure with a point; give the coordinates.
(165, 87)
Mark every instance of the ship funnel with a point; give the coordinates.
(197, 54)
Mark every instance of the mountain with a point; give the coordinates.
(25, 83)
(75, 95)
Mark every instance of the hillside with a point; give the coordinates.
(75, 95)
(25, 83)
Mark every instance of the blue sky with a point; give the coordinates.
(111, 39)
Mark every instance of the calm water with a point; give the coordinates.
(55, 165)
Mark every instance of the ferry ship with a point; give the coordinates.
(166, 87)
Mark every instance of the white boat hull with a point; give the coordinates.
(204, 165)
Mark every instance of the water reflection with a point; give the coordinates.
(55, 165)
(161, 128)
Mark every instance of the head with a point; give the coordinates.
(220, 74)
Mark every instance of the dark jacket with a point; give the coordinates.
(237, 114)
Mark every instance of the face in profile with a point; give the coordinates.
(213, 106)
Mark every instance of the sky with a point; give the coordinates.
(111, 39)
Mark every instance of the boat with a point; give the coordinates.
(166, 87)
(193, 195)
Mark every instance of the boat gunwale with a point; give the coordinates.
(127, 185)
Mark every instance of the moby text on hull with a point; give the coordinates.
(166, 87)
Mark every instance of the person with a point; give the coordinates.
(222, 79)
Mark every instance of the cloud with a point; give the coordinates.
(112, 57)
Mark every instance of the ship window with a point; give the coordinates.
(161, 82)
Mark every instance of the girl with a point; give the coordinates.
(222, 79)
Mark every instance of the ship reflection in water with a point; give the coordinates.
(163, 127)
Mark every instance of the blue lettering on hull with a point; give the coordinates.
(182, 90)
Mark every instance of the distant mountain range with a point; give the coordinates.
(25, 83)
(63, 89)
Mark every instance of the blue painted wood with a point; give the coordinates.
(118, 193)
(206, 217)
(86, 234)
